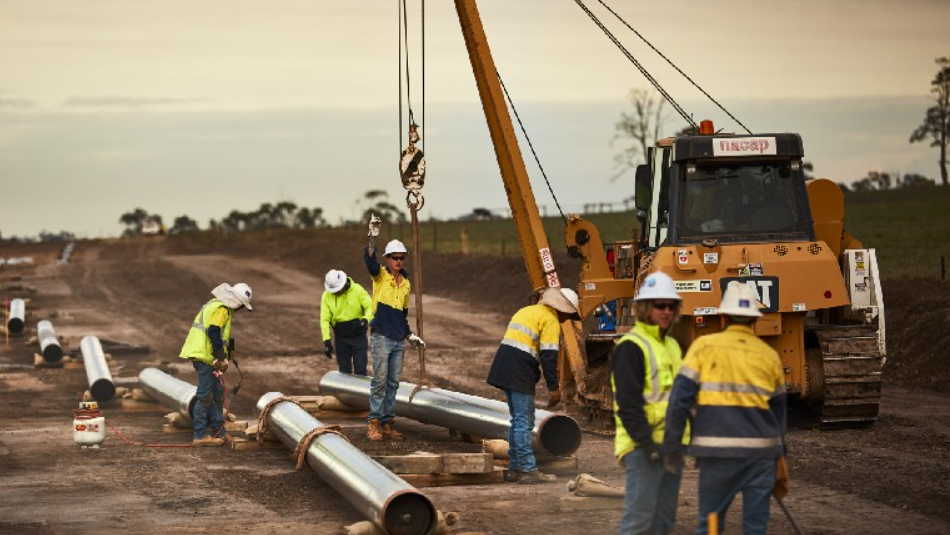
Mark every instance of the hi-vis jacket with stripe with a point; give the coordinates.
(643, 366)
(531, 344)
(353, 304)
(390, 301)
(736, 383)
(212, 326)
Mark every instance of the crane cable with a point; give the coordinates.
(649, 44)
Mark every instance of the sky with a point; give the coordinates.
(200, 107)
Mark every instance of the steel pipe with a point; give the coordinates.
(16, 321)
(554, 434)
(169, 391)
(97, 370)
(393, 505)
(49, 344)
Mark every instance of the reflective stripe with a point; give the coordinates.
(656, 395)
(689, 373)
(546, 347)
(200, 322)
(736, 388)
(522, 329)
(732, 442)
(523, 347)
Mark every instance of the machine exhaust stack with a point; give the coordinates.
(389, 502)
(17, 318)
(97, 370)
(49, 344)
(169, 391)
(554, 434)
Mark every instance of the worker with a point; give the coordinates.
(530, 345)
(346, 309)
(733, 385)
(389, 330)
(643, 365)
(207, 348)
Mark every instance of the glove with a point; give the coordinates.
(374, 224)
(219, 354)
(415, 340)
(554, 397)
(221, 366)
(781, 478)
(673, 462)
(328, 348)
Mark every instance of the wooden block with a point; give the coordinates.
(338, 415)
(331, 403)
(235, 427)
(467, 463)
(133, 405)
(251, 433)
(179, 421)
(417, 463)
(557, 465)
(172, 428)
(243, 444)
(72, 364)
(141, 395)
(444, 480)
(39, 362)
(575, 503)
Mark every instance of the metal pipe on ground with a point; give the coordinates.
(389, 502)
(169, 391)
(97, 370)
(554, 434)
(17, 319)
(49, 344)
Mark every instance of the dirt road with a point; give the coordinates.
(891, 477)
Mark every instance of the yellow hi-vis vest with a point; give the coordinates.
(198, 344)
(662, 360)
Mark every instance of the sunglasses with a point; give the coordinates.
(665, 306)
(397, 258)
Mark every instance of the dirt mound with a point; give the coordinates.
(918, 333)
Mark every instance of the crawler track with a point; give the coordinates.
(850, 374)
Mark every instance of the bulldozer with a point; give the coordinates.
(711, 208)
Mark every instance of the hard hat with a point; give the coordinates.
(560, 299)
(657, 285)
(334, 281)
(395, 246)
(243, 293)
(740, 300)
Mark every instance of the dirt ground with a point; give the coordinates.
(891, 477)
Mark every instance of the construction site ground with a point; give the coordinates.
(892, 477)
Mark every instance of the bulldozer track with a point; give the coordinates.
(851, 364)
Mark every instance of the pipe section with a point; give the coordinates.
(49, 344)
(97, 370)
(389, 502)
(554, 434)
(171, 392)
(17, 319)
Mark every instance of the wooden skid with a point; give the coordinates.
(438, 464)
(444, 480)
(570, 504)
(40, 363)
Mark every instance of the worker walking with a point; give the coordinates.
(345, 309)
(207, 348)
(643, 365)
(530, 345)
(389, 331)
(735, 384)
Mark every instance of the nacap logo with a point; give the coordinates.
(766, 288)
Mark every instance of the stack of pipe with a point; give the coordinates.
(49, 344)
(171, 392)
(395, 506)
(554, 434)
(97, 370)
(17, 319)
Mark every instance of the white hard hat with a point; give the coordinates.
(740, 300)
(243, 293)
(395, 246)
(334, 281)
(233, 296)
(560, 299)
(657, 285)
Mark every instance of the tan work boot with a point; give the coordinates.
(208, 442)
(390, 432)
(535, 476)
(373, 431)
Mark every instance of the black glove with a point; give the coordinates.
(673, 461)
(328, 348)
(220, 354)
(652, 451)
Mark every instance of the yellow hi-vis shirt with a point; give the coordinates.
(198, 343)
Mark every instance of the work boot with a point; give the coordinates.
(535, 476)
(512, 476)
(207, 442)
(390, 432)
(373, 431)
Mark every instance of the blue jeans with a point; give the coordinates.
(351, 354)
(521, 409)
(651, 498)
(209, 401)
(387, 367)
(720, 479)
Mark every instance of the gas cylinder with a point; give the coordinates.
(89, 425)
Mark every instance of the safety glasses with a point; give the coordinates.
(665, 306)
(397, 258)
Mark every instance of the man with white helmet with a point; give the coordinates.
(530, 346)
(345, 309)
(207, 348)
(389, 331)
(643, 365)
(735, 385)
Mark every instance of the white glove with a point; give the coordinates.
(416, 341)
(374, 224)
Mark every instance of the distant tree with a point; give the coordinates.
(912, 180)
(133, 221)
(309, 218)
(844, 187)
(183, 223)
(62, 235)
(640, 127)
(936, 125)
(809, 170)
(387, 211)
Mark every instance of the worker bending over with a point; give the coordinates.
(207, 348)
(530, 345)
(345, 309)
(735, 383)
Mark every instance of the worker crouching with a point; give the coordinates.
(345, 310)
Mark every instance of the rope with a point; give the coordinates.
(531, 146)
(262, 419)
(637, 64)
(300, 452)
(649, 44)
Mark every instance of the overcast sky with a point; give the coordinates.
(199, 107)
